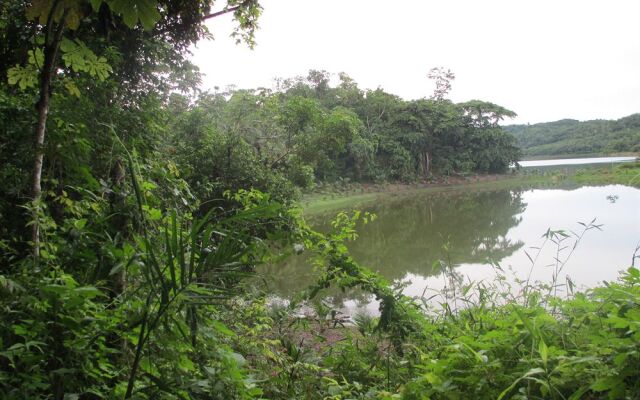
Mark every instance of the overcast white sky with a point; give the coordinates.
(546, 60)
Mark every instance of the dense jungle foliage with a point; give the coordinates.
(571, 137)
(135, 207)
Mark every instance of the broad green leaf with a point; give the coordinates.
(95, 4)
(67, 45)
(578, 393)
(71, 87)
(77, 56)
(146, 185)
(36, 57)
(38, 10)
(88, 291)
(148, 13)
(185, 363)
(544, 352)
(154, 214)
(20, 330)
(134, 11)
(530, 373)
(148, 366)
(606, 383)
(24, 77)
(222, 328)
(72, 10)
(239, 359)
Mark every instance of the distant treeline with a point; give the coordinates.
(569, 136)
(312, 131)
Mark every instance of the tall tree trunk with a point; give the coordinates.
(36, 188)
(53, 37)
(428, 163)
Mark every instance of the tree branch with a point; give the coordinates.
(273, 164)
(244, 4)
(221, 12)
(49, 28)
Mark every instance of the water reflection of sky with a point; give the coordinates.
(599, 256)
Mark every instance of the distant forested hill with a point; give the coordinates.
(570, 136)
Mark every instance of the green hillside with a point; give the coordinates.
(572, 137)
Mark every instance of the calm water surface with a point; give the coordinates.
(575, 161)
(406, 240)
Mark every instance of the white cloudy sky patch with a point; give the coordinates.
(546, 60)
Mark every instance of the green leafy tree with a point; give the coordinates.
(482, 114)
(51, 19)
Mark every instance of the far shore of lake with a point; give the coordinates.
(573, 156)
(351, 196)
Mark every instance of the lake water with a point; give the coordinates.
(408, 238)
(574, 161)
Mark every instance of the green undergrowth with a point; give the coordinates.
(624, 174)
(581, 347)
(183, 325)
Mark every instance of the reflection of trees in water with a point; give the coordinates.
(409, 234)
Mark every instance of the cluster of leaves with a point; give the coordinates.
(102, 81)
(141, 316)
